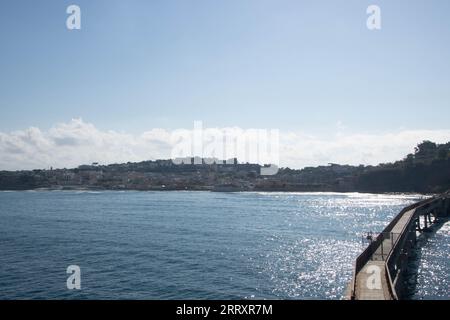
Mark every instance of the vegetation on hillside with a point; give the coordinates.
(427, 170)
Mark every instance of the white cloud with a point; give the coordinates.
(77, 142)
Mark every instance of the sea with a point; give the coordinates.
(199, 245)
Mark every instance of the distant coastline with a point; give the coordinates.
(427, 171)
(88, 189)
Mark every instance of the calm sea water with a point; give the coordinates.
(197, 245)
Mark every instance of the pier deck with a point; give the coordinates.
(379, 270)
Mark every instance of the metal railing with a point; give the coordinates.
(388, 241)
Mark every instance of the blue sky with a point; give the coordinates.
(307, 66)
(254, 63)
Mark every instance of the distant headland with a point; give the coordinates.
(427, 170)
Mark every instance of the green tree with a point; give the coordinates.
(426, 150)
(443, 153)
(409, 160)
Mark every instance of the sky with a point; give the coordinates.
(337, 91)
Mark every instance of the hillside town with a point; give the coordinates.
(427, 170)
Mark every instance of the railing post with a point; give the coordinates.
(392, 239)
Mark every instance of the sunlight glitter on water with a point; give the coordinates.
(196, 245)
